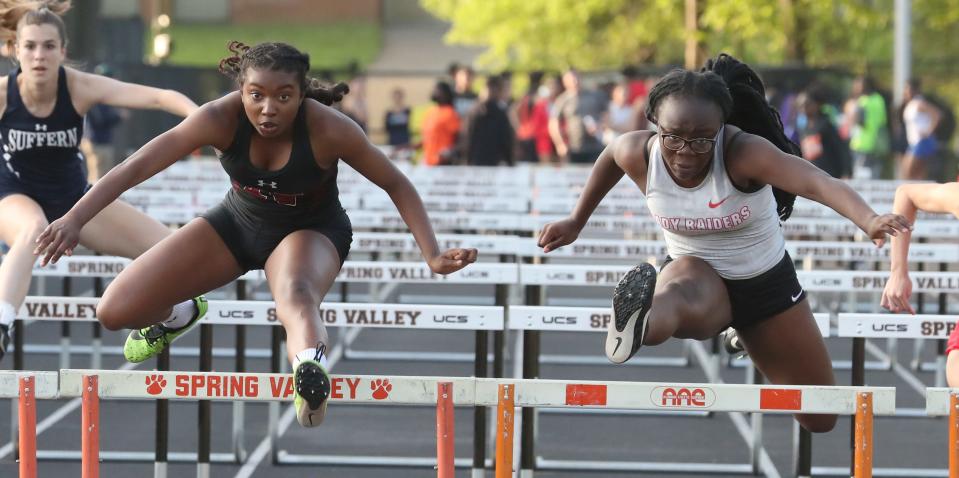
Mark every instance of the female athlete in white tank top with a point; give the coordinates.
(695, 184)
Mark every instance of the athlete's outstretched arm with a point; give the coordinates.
(763, 162)
(943, 198)
(199, 129)
(108, 91)
(626, 152)
(352, 145)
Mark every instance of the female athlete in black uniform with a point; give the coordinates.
(280, 143)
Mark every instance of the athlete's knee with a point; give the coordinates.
(112, 313)
(30, 231)
(296, 296)
(818, 423)
(685, 295)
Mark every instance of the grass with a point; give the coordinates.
(331, 46)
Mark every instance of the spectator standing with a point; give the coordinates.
(489, 135)
(463, 96)
(621, 115)
(575, 121)
(524, 114)
(868, 135)
(397, 121)
(818, 137)
(920, 119)
(441, 126)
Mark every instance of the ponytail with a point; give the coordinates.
(753, 114)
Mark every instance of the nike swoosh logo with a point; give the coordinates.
(796, 297)
(714, 205)
(619, 341)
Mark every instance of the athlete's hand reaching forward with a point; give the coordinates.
(886, 224)
(452, 260)
(558, 234)
(896, 294)
(59, 238)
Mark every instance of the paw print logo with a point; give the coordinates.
(381, 388)
(155, 384)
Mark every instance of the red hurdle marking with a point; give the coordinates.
(90, 423)
(28, 427)
(504, 431)
(445, 449)
(864, 444)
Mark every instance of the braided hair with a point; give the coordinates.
(277, 56)
(741, 98)
(13, 13)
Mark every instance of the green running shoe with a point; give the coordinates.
(148, 342)
(311, 388)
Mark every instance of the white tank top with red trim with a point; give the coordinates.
(735, 232)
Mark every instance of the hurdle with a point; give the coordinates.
(945, 402)
(96, 385)
(25, 388)
(480, 319)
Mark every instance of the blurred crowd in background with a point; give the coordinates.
(560, 118)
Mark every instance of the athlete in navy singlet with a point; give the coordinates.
(42, 174)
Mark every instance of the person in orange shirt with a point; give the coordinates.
(441, 125)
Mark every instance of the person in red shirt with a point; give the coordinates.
(441, 125)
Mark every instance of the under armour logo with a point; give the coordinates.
(40, 127)
(261, 183)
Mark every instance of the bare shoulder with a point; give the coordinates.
(629, 149)
(330, 129)
(220, 117)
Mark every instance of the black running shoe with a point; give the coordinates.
(732, 344)
(6, 332)
(311, 388)
(632, 300)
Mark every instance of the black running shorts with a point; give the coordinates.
(251, 240)
(762, 297)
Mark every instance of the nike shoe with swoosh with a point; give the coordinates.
(632, 301)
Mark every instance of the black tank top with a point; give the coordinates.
(43, 153)
(298, 191)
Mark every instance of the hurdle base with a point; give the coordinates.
(286, 458)
(133, 456)
(911, 472)
(646, 467)
(116, 350)
(353, 354)
(619, 413)
(602, 360)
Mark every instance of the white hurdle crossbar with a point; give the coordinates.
(94, 385)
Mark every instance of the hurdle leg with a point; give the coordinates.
(445, 449)
(162, 415)
(28, 427)
(204, 407)
(504, 432)
(18, 330)
(480, 369)
(90, 428)
(953, 435)
(864, 442)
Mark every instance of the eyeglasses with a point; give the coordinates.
(698, 145)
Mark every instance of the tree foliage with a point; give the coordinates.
(601, 34)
